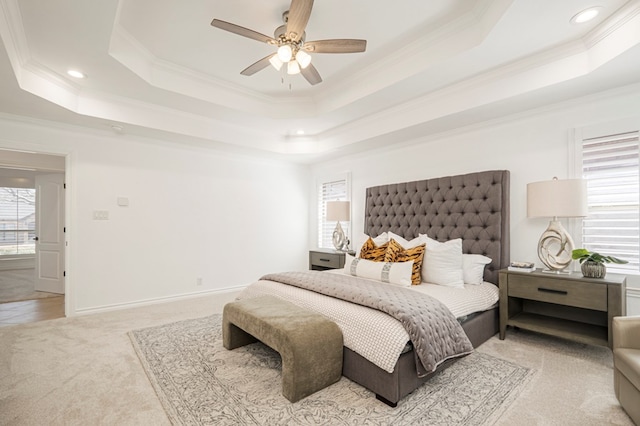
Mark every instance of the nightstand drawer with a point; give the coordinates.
(563, 292)
(326, 260)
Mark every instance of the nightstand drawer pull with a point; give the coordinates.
(550, 290)
(324, 260)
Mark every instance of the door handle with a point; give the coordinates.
(35, 238)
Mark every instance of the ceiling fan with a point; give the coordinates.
(292, 46)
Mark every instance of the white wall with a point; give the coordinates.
(533, 146)
(193, 212)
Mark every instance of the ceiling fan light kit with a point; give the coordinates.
(293, 68)
(290, 40)
(276, 62)
(303, 58)
(285, 53)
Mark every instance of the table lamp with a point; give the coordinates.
(339, 211)
(556, 198)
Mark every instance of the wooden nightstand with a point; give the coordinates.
(569, 306)
(323, 259)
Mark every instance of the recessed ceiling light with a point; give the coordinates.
(300, 132)
(76, 74)
(586, 15)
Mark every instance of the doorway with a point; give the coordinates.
(32, 239)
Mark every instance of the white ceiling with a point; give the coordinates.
(158, 68)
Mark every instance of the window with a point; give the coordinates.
(17, 221)
(334, 190)
(611, 165)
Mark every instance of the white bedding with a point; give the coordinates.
(371, 333)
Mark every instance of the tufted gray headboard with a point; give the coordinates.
(474, 207)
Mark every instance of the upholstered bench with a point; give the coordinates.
(309, 344)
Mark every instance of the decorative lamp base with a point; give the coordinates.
(555, 247)
(339, 238)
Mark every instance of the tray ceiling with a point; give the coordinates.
(158, 68)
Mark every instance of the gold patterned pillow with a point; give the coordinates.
(371, 251)
(396, 253)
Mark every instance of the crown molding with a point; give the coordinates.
(547, 68)
(614, 36)
(612, 24)
(127, 50)
(459, 33)
(556, 65)
(12, 32)
(631, 91)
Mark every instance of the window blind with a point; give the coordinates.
(17, 220)
(335, 190)
(611, 165)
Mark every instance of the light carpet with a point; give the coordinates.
(83, 370)
(18, 284)
(200, 382)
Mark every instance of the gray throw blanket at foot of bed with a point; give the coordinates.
(434, 331)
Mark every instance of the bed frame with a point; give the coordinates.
(474, 207)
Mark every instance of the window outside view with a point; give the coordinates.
(17, 221)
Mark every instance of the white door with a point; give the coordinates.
(50, 233)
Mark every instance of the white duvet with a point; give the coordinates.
(373, 334)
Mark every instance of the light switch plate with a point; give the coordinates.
(100, 215)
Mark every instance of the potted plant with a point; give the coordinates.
(592, 264)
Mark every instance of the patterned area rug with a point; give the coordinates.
(201, 383)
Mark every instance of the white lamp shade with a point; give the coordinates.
(293, 68)
(285, 53)
(276, 62)
(338, 211)
(303, 58)
(557, 198)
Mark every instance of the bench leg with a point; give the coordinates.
(308, 368)
(234, 337)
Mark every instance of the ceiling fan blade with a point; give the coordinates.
(336, 46)
(299, 13)
(257, 66)
(311, 74)
(245, 32)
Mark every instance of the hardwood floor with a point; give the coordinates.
(31, 311)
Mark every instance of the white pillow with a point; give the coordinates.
(386, 272)
(473, 268)
(417, 241)
(442, 262)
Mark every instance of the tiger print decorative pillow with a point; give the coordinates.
(370, 251)
(396, 253)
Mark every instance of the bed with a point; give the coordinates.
(472, 207)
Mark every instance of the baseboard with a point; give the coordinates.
(154, 301)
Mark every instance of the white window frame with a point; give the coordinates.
(575, 170)
(323, 227)
(27, 233)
